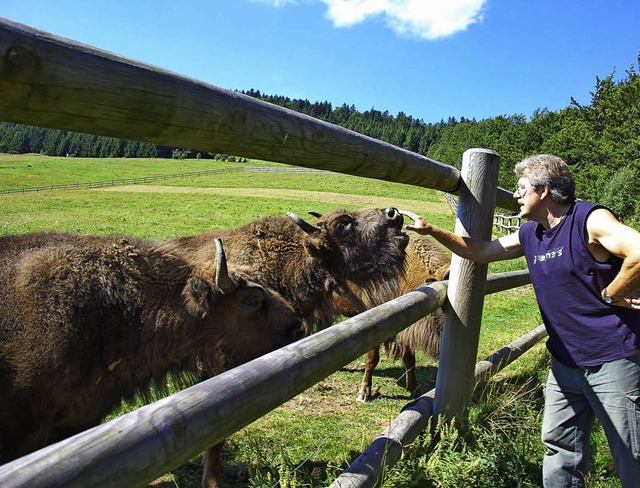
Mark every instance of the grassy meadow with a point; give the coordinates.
(309, 440)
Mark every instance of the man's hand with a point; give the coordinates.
(420, 225)
(632, 301)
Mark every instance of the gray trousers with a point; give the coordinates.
(574, 397)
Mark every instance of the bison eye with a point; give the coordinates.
(252, 300)
(344, 226)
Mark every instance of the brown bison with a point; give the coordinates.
(310, 265)
(86, 321)
(426, 262)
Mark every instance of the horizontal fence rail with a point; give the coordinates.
(149, 179)
(50, 81)
(368, 469)
(140, 446)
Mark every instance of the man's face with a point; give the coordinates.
(526, 195)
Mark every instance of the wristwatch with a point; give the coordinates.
(606, 297)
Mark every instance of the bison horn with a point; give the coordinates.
(223, 281)
(303, 224)
(315, 214)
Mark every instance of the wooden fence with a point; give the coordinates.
(507, 223)
(501, 222)
(151, 179)
(54, 82)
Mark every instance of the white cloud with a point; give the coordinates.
(424, 19)
(276, 3)
(345, 13)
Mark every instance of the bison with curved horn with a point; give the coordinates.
(87, 321)
(306, 263)
(311, 265)
(426, 262)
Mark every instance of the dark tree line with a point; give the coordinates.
(21, 139)
(601, 140)
(401, 130)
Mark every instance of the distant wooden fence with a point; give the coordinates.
(507, 223)
(151, 179)
(53, 82)
(501, 222)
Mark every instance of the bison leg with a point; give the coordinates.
(409, 360)
(212, 472)
(371, 361)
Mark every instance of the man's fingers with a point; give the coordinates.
(411, 215)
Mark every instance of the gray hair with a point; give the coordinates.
(550, 171)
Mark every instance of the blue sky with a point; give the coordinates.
(430, 59)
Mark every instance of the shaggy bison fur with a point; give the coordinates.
(426, 262)
(311, 265)
(87, 321)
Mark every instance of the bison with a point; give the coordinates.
(426, 262)
(310, 265)
(87, 321)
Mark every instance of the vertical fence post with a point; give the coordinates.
(463, 312)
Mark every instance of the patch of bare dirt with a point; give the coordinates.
(331, 396)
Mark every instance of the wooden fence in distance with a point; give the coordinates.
(507, 223)
(150, 179)
(54, 82)
(501, 222)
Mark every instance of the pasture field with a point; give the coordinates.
(309, 440)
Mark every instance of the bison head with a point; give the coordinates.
(250, 319)
(359, 245)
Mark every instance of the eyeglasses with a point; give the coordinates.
(522, 190)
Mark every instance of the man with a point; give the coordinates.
(585, 270)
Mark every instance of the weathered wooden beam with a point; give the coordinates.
(497, 282)
(499, 359)
(140, 446)
(368, 469)
(50, 81)
(505, 200)
(461, 331)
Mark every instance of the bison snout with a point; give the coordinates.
(392, 212)
(297, 331)
(394, 216)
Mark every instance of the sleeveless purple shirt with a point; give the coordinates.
(567, 279)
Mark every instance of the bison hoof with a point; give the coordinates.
(363, 398)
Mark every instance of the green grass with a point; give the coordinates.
(33, 170)
(309, 440)
(185, 206)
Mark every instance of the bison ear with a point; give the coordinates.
(316, 246)
(198, 297)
